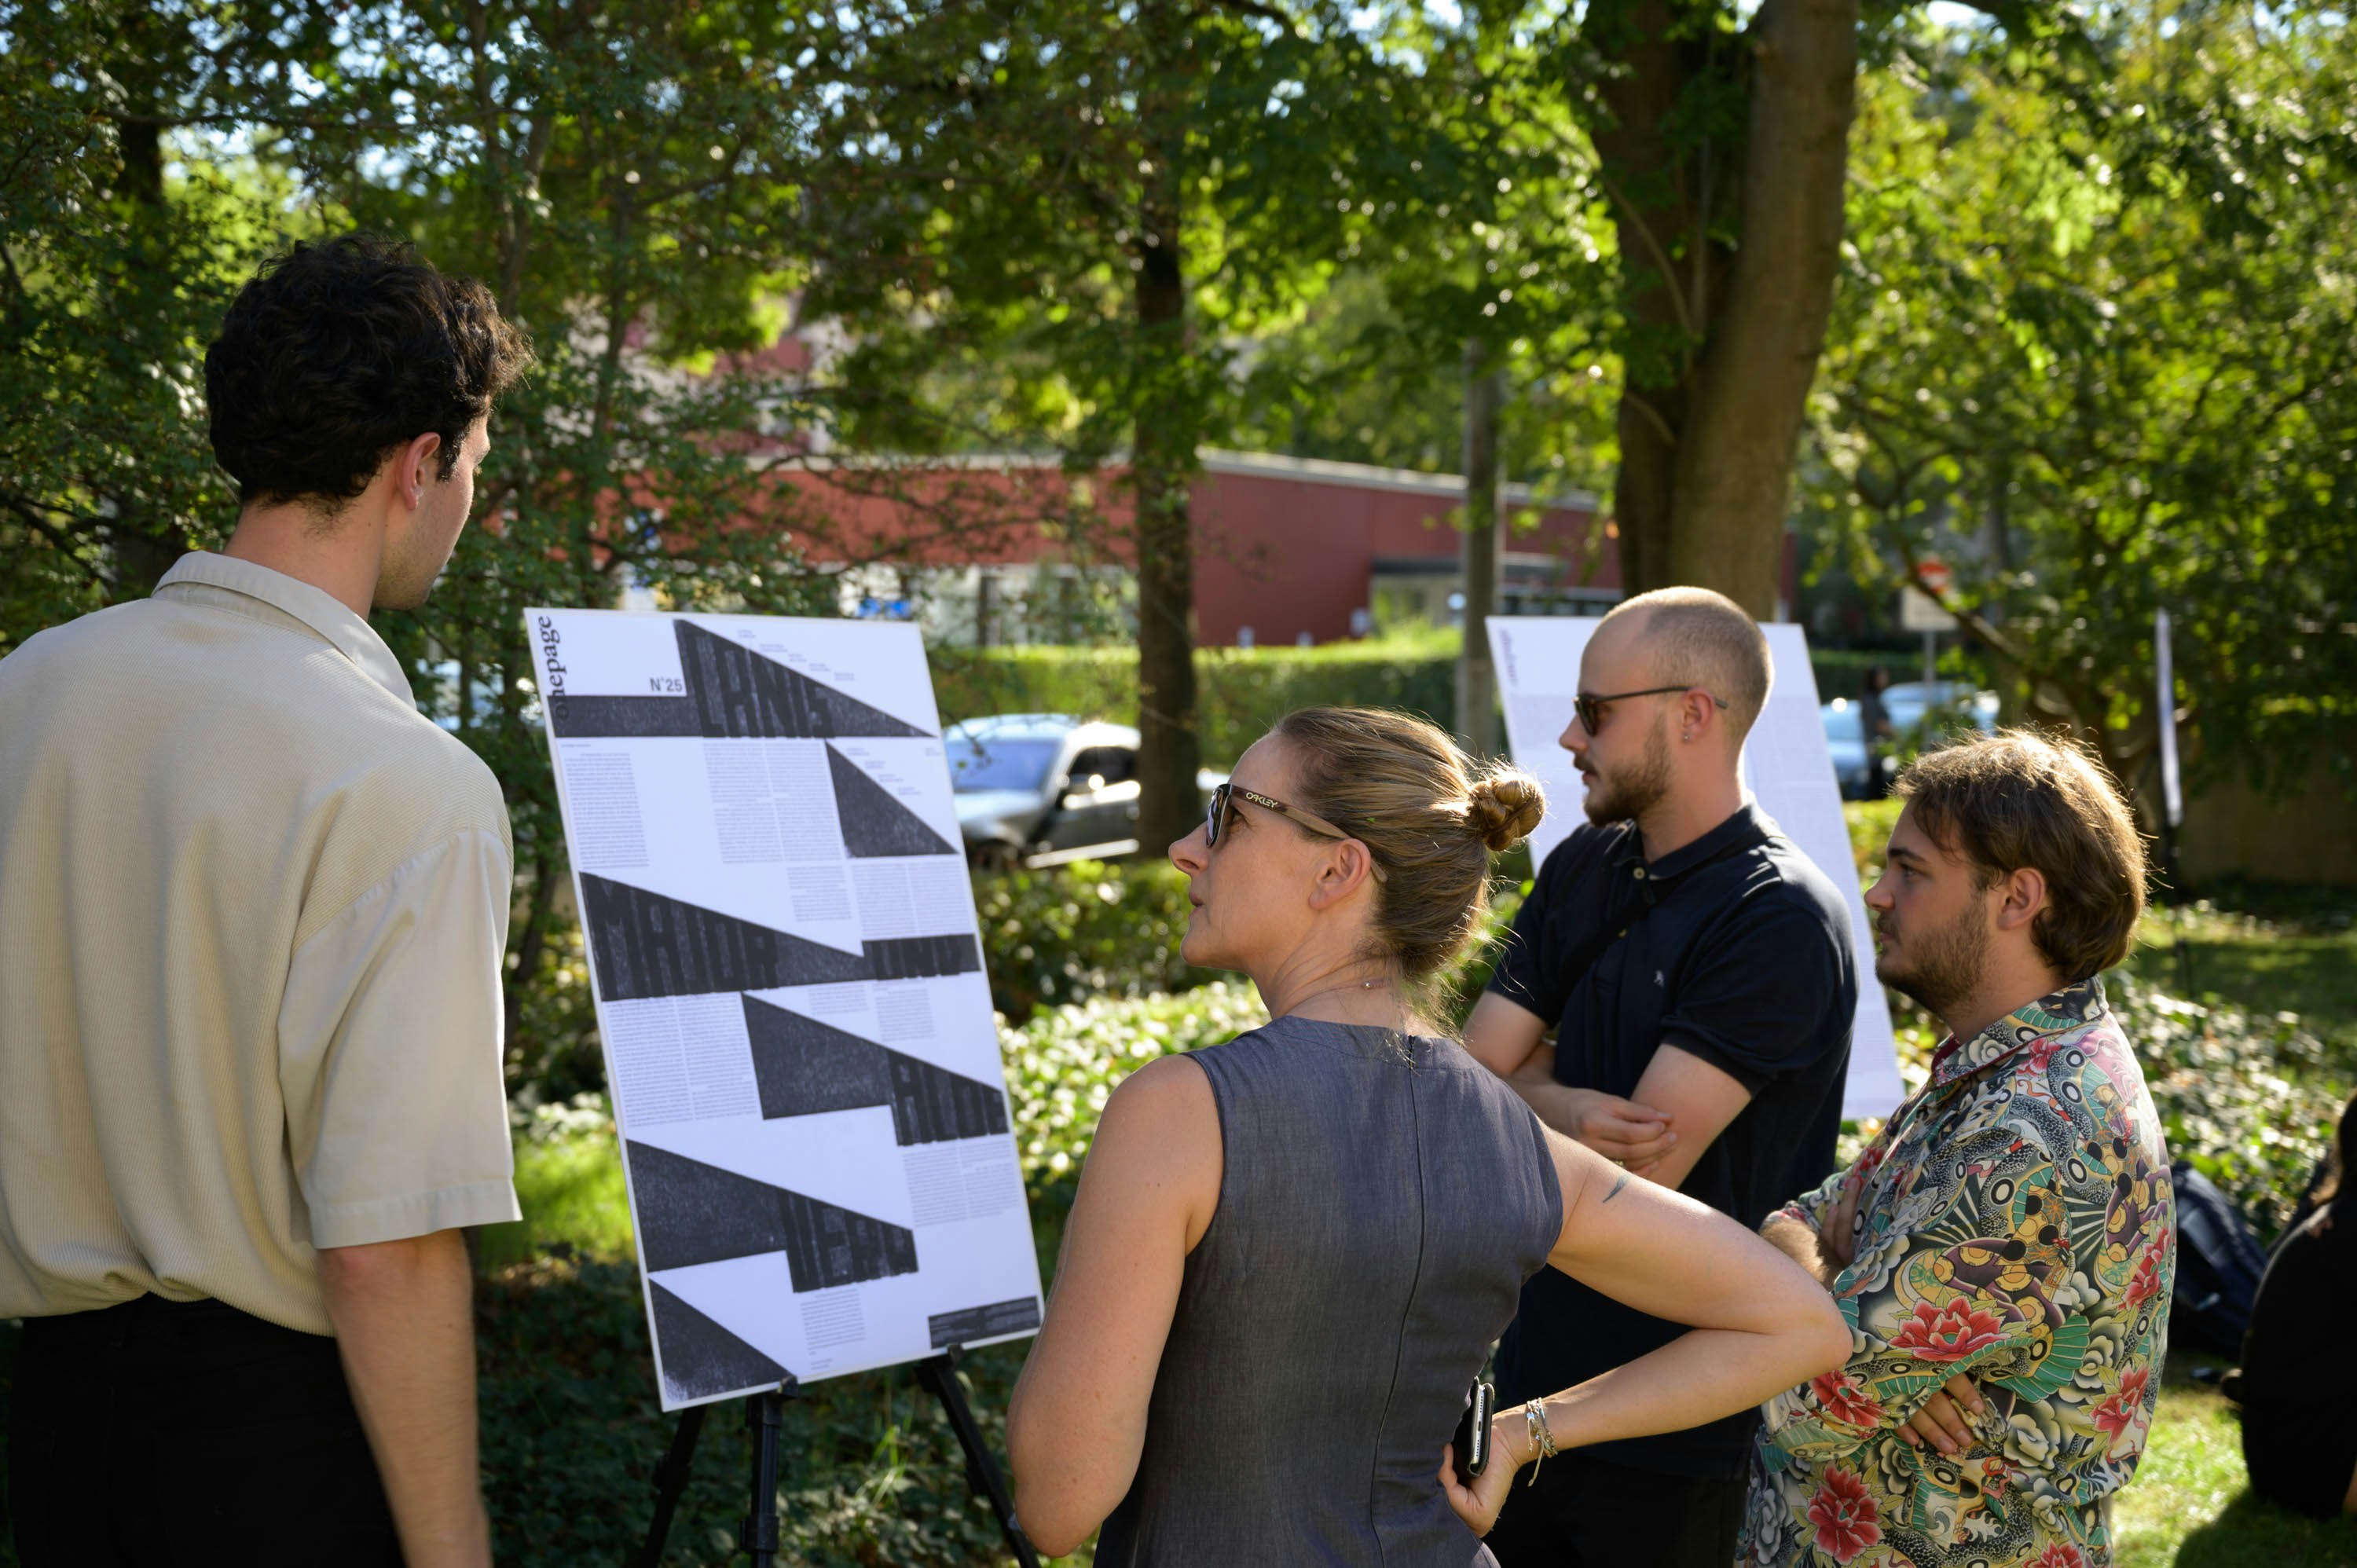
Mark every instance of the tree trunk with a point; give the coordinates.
(1709, 434)
(1735, 456)
(1477, 676)
(1656, 222)
(1162, 468)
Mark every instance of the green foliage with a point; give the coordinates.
(1242, 691)
(2091, 348)
(571, 1431)
(2242, 1096)
(1081, 931)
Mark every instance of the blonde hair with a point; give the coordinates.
(1429, 814)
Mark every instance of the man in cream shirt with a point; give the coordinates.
(252, 908)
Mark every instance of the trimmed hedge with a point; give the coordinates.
(1241, 692)
(1244, 690)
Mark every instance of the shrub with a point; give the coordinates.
(1241, 692)
(2240, 1095)
(1088, 928)
(1063, 1064)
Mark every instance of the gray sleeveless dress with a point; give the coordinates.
(1382, 1201)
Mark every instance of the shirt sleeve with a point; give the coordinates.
(1768, 994)
(1921, 1311)
(1521, 975)
(390, 1043)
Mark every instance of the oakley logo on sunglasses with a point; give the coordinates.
(1223, 810)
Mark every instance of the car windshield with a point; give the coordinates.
(1841, 724)
(978, 762)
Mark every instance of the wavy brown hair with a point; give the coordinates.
(1429, 814)
(2020, 799)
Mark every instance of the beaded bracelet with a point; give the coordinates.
(1535, 1421)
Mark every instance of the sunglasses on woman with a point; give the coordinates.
(1223, 810)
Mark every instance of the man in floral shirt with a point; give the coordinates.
(2005, 1249)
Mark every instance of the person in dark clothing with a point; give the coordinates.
(1698, 973)
(1881, 737)
(1289, 1253)
(2300, 1369)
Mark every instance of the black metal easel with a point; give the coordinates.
(765, 1414)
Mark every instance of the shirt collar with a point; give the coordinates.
(315, 608)
(1747, 827)
(2073, 1007)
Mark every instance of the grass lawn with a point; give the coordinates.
(2267, 949)
(2191, 1505)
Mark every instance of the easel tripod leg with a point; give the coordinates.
(982, 1473)
(766, 1414)
(671, 1479)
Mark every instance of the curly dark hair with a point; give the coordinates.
(339, 351)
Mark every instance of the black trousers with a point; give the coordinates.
(189, 1432)
(1586, 1512)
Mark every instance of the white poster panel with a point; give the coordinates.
(787, 966)
(1785, 767)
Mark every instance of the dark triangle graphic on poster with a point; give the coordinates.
(971, 1325)
(802, 1068)
(699, 1357)
(920, 958)
(732, 693)
(874, 822)
(649, 944)
(690, 1213)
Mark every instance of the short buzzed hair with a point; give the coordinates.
(1703, 638)
(2017, 799)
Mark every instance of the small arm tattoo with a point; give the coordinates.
(1617, 1187)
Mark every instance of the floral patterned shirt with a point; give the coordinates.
(2014, 1225)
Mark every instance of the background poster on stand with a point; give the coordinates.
(787, 968)
(1786, 768)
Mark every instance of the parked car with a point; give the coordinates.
(1952, 705)
(1853, 764)
(1037, 790)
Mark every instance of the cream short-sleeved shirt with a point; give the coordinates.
(252, 909)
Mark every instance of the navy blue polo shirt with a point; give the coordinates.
(1736, 948)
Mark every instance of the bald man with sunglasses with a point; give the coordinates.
(1695, 970)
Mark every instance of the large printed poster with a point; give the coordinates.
(1786, 767)
(787, 974)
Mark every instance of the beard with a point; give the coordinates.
(1943, 965)
(1631, 789)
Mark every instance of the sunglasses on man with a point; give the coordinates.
(1590, 709)
(1222, 811)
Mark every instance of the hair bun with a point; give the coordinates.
(1503, 808)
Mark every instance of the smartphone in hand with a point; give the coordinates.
(1472, 1443)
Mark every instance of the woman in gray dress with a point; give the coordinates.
(1290, 1253)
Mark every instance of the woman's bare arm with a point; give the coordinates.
(1077, 1422)
(1760, 1324)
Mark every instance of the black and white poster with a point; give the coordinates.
(786, 969)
